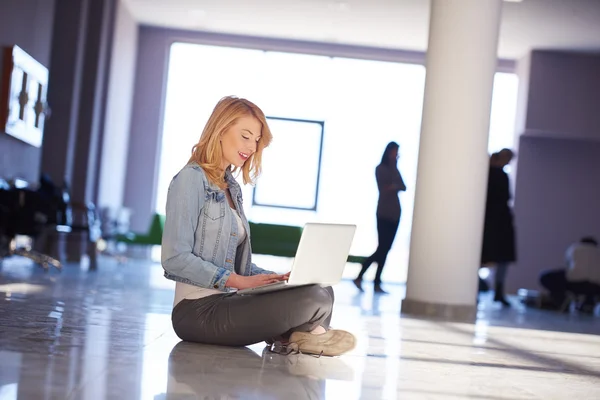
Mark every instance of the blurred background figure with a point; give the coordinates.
(499, 233)
(580, 279)
(389, 184)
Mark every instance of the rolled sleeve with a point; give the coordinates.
(220, 279)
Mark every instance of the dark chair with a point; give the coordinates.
(23, 212)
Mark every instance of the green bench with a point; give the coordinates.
(152, 237)
(268, 239)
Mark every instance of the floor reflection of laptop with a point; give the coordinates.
(320, 258)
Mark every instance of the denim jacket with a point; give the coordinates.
(200, 237)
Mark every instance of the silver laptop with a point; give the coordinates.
(320, 258)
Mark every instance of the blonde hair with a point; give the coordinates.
(208, 152)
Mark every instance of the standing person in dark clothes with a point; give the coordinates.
(499, 233)
(389, 184)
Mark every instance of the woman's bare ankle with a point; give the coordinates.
(319, 330)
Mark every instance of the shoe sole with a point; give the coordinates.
(331, 343)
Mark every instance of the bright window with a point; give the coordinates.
(362, 105)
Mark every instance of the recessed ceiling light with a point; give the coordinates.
(339, 5)
(198, 13)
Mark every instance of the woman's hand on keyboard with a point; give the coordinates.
(246, 282)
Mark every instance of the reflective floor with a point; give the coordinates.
(107, 335)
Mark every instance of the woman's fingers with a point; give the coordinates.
(265, 279)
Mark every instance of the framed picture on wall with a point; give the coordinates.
(24, 86)
(291, 165)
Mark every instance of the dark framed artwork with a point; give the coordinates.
(23, 107)
(291, 165)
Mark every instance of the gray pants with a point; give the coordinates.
(231, 320)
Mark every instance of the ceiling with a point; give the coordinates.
(397, 24)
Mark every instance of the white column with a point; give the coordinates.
(453, 160)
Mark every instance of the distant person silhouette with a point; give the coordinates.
(581, 276)
(499, 233)
(389, 184)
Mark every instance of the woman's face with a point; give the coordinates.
(240, 141)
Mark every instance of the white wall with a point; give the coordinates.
(558, 202)
(564, 95)
(113, 166)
